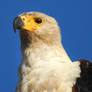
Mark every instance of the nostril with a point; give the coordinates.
(23, 19)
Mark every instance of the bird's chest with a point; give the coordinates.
(47, 76)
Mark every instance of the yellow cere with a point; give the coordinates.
(30, 23)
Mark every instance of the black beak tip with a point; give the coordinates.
(17, 23)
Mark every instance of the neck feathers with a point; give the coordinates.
(34, 46)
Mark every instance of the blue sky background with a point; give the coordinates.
(75, 20)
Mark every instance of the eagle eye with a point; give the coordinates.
(38, 20)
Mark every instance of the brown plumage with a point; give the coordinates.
(84, 83)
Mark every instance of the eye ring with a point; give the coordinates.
(38, 20)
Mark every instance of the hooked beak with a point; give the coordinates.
(17, 23)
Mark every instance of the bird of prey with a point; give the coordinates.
(45, 65)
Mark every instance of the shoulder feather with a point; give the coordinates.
(84, 83)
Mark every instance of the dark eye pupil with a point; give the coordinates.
(38, 20)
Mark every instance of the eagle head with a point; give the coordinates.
(36, 27)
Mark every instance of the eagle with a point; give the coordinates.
(45, 65)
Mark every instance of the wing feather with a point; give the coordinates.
(84, 83)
